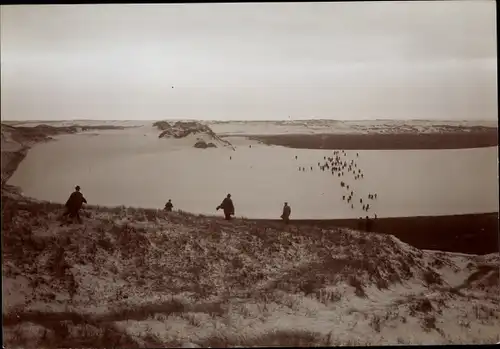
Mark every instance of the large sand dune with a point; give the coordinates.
(131, 277)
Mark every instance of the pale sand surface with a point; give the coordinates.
(133, 277)
(134, 167)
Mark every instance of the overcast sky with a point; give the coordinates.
(354, 60)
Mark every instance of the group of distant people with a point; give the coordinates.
(76, 201)
(227, 207)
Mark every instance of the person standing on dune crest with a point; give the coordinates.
(228, 207)
(74, 204)
(287, 211)
(169, 206)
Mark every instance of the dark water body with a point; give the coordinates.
(471, 233)
(484, 137)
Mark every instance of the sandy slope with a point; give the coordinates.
(138, 277)
(133, 277)
(200, 134)
(13, 150)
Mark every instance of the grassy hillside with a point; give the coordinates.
(133, 277)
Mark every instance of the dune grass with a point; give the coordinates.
(131, 277)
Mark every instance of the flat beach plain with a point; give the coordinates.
(135, 168)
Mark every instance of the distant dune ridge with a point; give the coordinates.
(205, 137)
(132, 277)
(367, 135)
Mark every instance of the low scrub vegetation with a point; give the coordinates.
(131, 277)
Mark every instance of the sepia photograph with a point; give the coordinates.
(288, 174)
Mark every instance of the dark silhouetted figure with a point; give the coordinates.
(74, 204)
(287, 211)
(227, 206)
(169, 206)
(295, 157)
(230, 158)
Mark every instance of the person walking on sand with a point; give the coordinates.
(74, 204)
(287, 211)
(169, 206)
(228, 207)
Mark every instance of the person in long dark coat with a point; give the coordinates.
(227, 206)
(287, 211)
(169, 206)
(74, 204)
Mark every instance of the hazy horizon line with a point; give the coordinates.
(243, 120)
